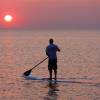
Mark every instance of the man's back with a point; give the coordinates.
(51, 51)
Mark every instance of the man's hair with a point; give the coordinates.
(50, 41)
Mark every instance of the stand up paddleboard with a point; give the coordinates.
(61, 80)
(30, 77)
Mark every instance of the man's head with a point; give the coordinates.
(51, 41)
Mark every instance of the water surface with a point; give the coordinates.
(78, 63)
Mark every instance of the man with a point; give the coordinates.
(51, 52)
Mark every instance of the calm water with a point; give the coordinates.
(78, 62)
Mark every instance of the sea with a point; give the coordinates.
(78, 65)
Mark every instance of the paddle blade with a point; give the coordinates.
(27, 73)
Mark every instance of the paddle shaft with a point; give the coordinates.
(39, 63)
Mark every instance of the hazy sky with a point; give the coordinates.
(51, 14)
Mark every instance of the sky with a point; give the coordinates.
(51, 14)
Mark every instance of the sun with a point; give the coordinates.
(8, 18)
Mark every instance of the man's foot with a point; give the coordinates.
(50, 78)
(55, 78)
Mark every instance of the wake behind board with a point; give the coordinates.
(30, 77)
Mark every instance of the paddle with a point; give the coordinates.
(26, 73)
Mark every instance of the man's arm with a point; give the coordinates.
(46, 51)
(58, 49)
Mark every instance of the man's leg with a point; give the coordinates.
(55, 72)
(50, 74)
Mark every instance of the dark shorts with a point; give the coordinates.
(52, 64)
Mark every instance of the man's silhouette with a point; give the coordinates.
(51, 52)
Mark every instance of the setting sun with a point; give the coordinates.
(8, 18)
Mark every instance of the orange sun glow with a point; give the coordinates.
(8, 18)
